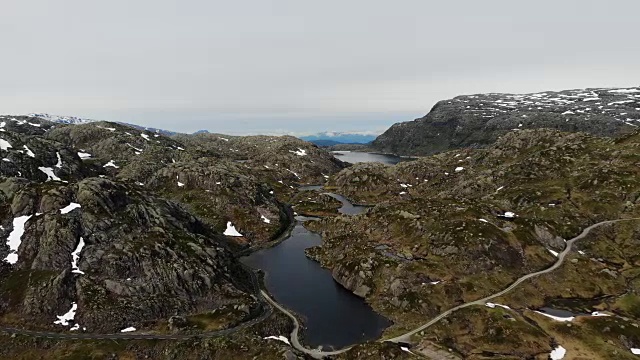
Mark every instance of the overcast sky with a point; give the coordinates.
(300, 66)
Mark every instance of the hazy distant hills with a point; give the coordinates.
(330, 138)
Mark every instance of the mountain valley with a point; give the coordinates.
(125, 243)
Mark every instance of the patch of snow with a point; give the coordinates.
(296, 175)
(265, 220)
(635, 351)
(111, 164)
(75, 327)
(598, 313)
(568, 112)
(221, 138)
(70, 315)
(49, 172)
(458, 169)
(555, 253)
(483, 220)
(134, 148)
(556, 318)
(5, 159)
(15, 238)
(509, 215)
(59, 163)
(75, 256)
(493, 305)
(500, 188)
(558, 353)
(4, 144)
(83, 155)
(106, 128)
(69, 208)
(28, 151)
(299, 152)
(625, 91)
(180, 184)
(129, 329)
(231, 230)
(434, 282)
(279, 338)
(406, 349)
(621, 102)
(145, 136)
(580, 252)
(403, 192)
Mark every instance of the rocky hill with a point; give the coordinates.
(476, 121)
(110, 228)
(457, 226)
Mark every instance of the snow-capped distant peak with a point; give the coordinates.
(61, 119)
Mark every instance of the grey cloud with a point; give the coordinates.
(288, 65)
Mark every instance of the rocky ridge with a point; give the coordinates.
(476, 121)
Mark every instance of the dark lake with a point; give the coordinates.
(358, 157)
(333, 317)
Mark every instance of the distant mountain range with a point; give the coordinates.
(327, 138)
(62, 119)
(78, 120)
(330, 138)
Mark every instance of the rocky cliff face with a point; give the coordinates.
(121, 255)
(476, 121)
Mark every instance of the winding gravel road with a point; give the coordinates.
(295, 341)
(406, 337)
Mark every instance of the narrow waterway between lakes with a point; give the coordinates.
(333, 317)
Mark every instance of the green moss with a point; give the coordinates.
(629, 304)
